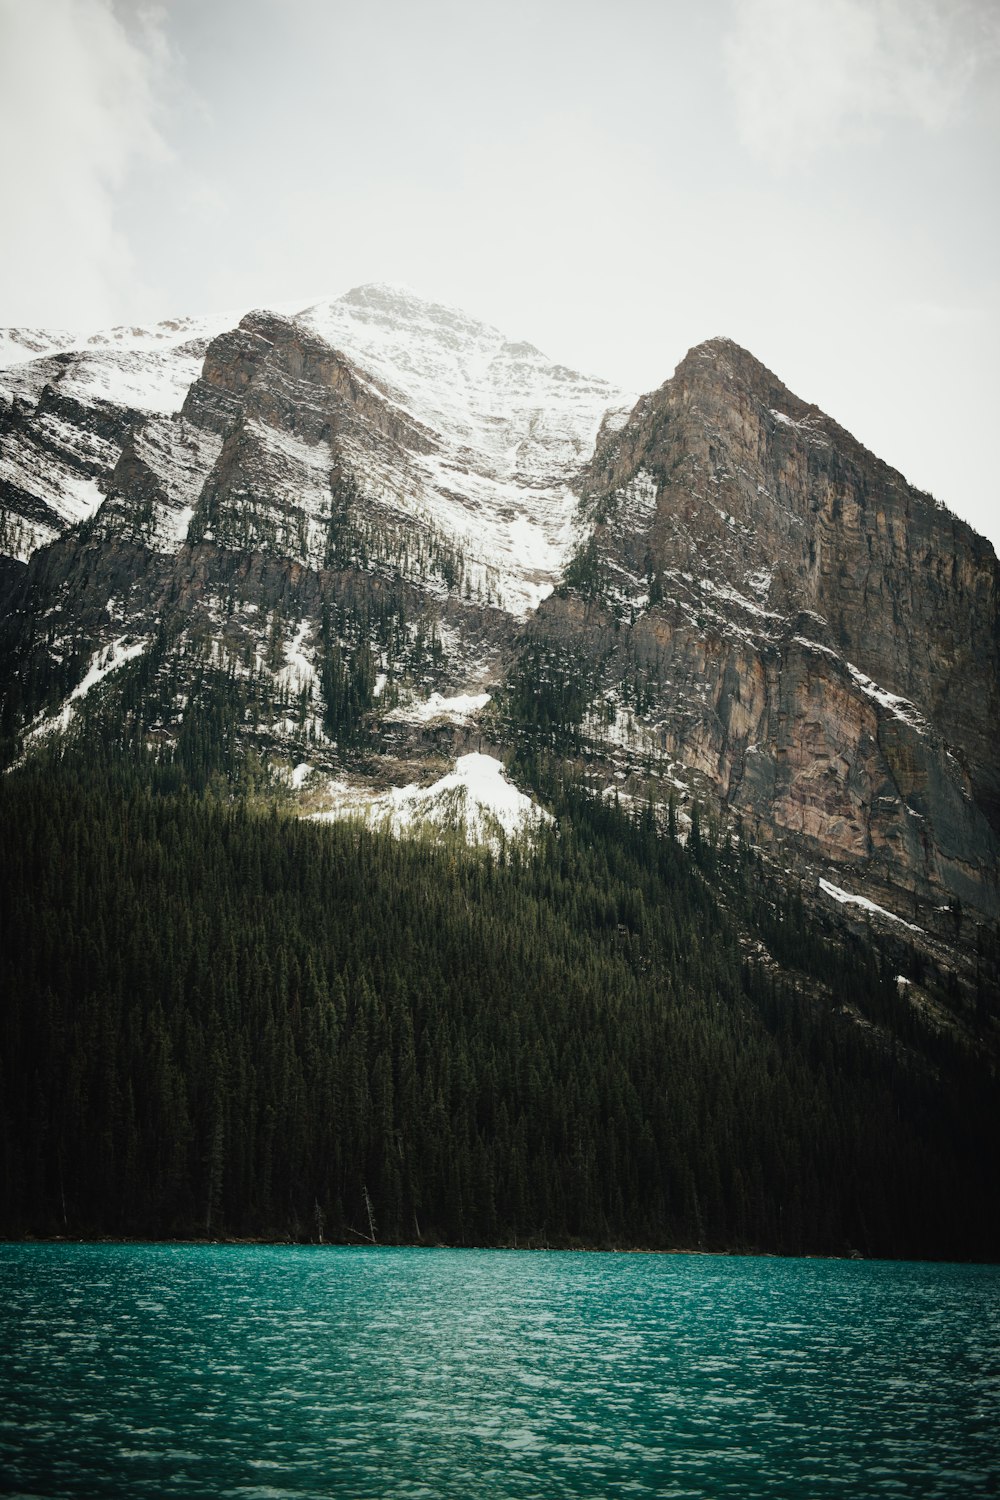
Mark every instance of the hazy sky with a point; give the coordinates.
(818, 179)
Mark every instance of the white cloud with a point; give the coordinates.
(78, 113)
(806, 74)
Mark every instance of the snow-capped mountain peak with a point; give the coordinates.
(513, 429)
(522, 414)
(505, 431)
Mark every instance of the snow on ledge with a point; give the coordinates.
(900, 708)
(845, 898)
(807, 426)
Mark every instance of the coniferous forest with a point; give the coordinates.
(220, 1020)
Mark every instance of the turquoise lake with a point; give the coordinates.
(269, 1371)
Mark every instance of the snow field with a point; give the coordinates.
(476, 798)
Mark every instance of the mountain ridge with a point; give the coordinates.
(758, 611)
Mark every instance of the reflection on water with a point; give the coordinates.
(292, 1371)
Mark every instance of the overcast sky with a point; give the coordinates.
(614, 180)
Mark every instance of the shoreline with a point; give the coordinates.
(253, 1241)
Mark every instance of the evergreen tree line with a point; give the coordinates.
(222, 1021)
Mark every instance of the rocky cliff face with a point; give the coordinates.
(401, 535)
(816, 639)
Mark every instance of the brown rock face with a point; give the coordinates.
(285, 404)
(824, 638)
(275, 370)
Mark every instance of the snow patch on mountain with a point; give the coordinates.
(475, 799)
(298, 673)
(845, 898)
(456, 710)
(145, 369)
(139, 379)
(17, 345)
(636, 501)
(807, 426)
(726, 592)
(181, 456)
(106, 660)
(51, 478)
(899, 708)
(513, 430)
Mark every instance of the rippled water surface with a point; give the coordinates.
(155, 1370)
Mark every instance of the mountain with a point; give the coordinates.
(378, 511)
(709, 691)
(814, 638)
(351, 511)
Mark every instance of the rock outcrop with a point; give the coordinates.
(817, 639)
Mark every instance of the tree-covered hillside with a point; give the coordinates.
(222, 1020)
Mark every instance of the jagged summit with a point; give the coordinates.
(465, 376)
(384, 293)
(719, 343)
(392, 303)
(512, 428)
(823, 638)
(395, 304)
(722, 359)
(722, 364)
(492, 432)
